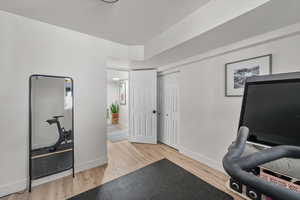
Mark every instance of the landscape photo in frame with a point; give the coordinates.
(237, 72)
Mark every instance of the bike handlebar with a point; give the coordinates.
(59, 116)
(237, 166)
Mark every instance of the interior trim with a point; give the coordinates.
(282, 33)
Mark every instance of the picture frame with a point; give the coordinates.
(237, 72)
(122, 93)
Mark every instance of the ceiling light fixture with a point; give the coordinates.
(116, 79)
(110, 1)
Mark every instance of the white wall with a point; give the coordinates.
(28, 47)
(208, 119)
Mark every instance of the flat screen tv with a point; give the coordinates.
(271, 109)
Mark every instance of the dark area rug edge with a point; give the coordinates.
(116, 179)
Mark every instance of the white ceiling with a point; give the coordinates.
(139, 22)
(266, 18)
(122, 75)
(129, 22)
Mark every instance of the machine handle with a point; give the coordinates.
(59, 116)
(253, 194)
(238, 167)
(236, 186)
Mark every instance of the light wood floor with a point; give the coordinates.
(124, 158)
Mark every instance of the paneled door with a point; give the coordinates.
(168, 109)
(142, 106)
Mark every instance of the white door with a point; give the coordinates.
(143, 100)
(168, 109)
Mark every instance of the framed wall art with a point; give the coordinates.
(237, 72)
(122, 93)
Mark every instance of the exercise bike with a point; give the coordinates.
(64, 135)
(239, 167)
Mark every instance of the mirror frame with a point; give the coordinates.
(30, 126)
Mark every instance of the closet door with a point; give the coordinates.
(160, 116)
(168, 109)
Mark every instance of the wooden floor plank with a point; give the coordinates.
(123, 158)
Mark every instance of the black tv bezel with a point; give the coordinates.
(266, 79)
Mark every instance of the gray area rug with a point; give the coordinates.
(162, 180)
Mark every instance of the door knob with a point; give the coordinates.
(154, 111)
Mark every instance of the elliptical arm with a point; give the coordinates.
(237, 166)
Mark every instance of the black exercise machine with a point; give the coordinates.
(270, 122)
(64, 135)
(239, 168)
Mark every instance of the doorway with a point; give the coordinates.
(117, 105)
(168, 109)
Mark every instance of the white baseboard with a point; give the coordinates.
(13, 187)
(51, 178)
(148, 140)
(22, 184)
(91, 164)
(201, 158)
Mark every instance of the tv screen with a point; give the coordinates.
(271, 111)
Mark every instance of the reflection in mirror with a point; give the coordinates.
(51, 112)
(51, 125)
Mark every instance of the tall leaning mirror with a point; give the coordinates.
(51, 126)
